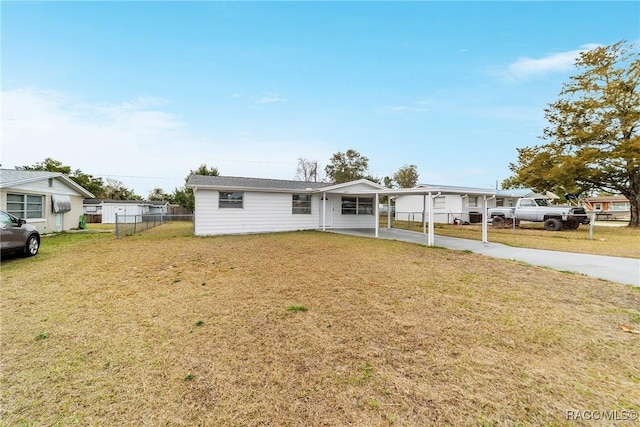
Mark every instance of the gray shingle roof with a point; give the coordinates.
(233, 182)
(13, 176)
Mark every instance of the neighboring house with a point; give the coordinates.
(234, 205)
(50, 201)
(450, 204)
(608, 207)
(130, 210)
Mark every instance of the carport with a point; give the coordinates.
(429, 193)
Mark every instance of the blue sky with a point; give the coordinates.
(143, 92)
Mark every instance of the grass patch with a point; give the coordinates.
(399, 334)
(296, 308)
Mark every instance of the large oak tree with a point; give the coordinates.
(593, 141)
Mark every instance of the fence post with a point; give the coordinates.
(117, 230)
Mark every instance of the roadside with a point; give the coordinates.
(615, 269)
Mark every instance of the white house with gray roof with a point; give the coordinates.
(50, 201)
(236, 205)
(450, 204)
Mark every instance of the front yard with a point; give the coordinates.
(305, 328)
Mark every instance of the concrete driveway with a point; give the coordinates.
(615, 269)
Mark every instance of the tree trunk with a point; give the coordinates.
(634, 203)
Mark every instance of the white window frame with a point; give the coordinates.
(226, 200)
(301, 204)
(29, 209)
(363, 205)
(439, 202)
(619, 206)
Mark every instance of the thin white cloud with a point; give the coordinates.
(525, 68)
(416, 107)
(126, 138)
(270, 99)
(134, 141)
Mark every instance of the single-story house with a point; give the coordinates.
(450, 204)
(130, 210)
(608, 207)
(233, 205)
(50, 201)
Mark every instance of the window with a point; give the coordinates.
(620, 206)
(472, 201)
(527, 204)
(365, 206)
(230, 199)
(439, 202)
(357, 206)
(301, 204)
(25, 205)
(597, 206)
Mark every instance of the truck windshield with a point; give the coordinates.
(542, 202)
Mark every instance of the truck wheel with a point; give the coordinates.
(553, 224)
(497, 221)
(570, 225)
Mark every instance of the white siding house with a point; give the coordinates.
(235, 205)
(129, 211)
(450, 204)
(50, 201)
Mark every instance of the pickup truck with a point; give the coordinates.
(554, 217)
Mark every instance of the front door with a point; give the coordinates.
(58, 222)
(325, 205)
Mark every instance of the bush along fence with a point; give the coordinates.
(127, 225)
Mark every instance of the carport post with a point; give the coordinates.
(424, 213)
(388, 212)
(484, 220)
(485, 211)
(376, 211)
(324, 211)
(431, 239)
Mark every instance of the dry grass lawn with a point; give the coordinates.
(305, 328)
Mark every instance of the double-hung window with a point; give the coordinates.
(25, 205)
(301, 204)
(230, 199)
(357, 206)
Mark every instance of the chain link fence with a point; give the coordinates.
(413, 218)
(127, 225)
